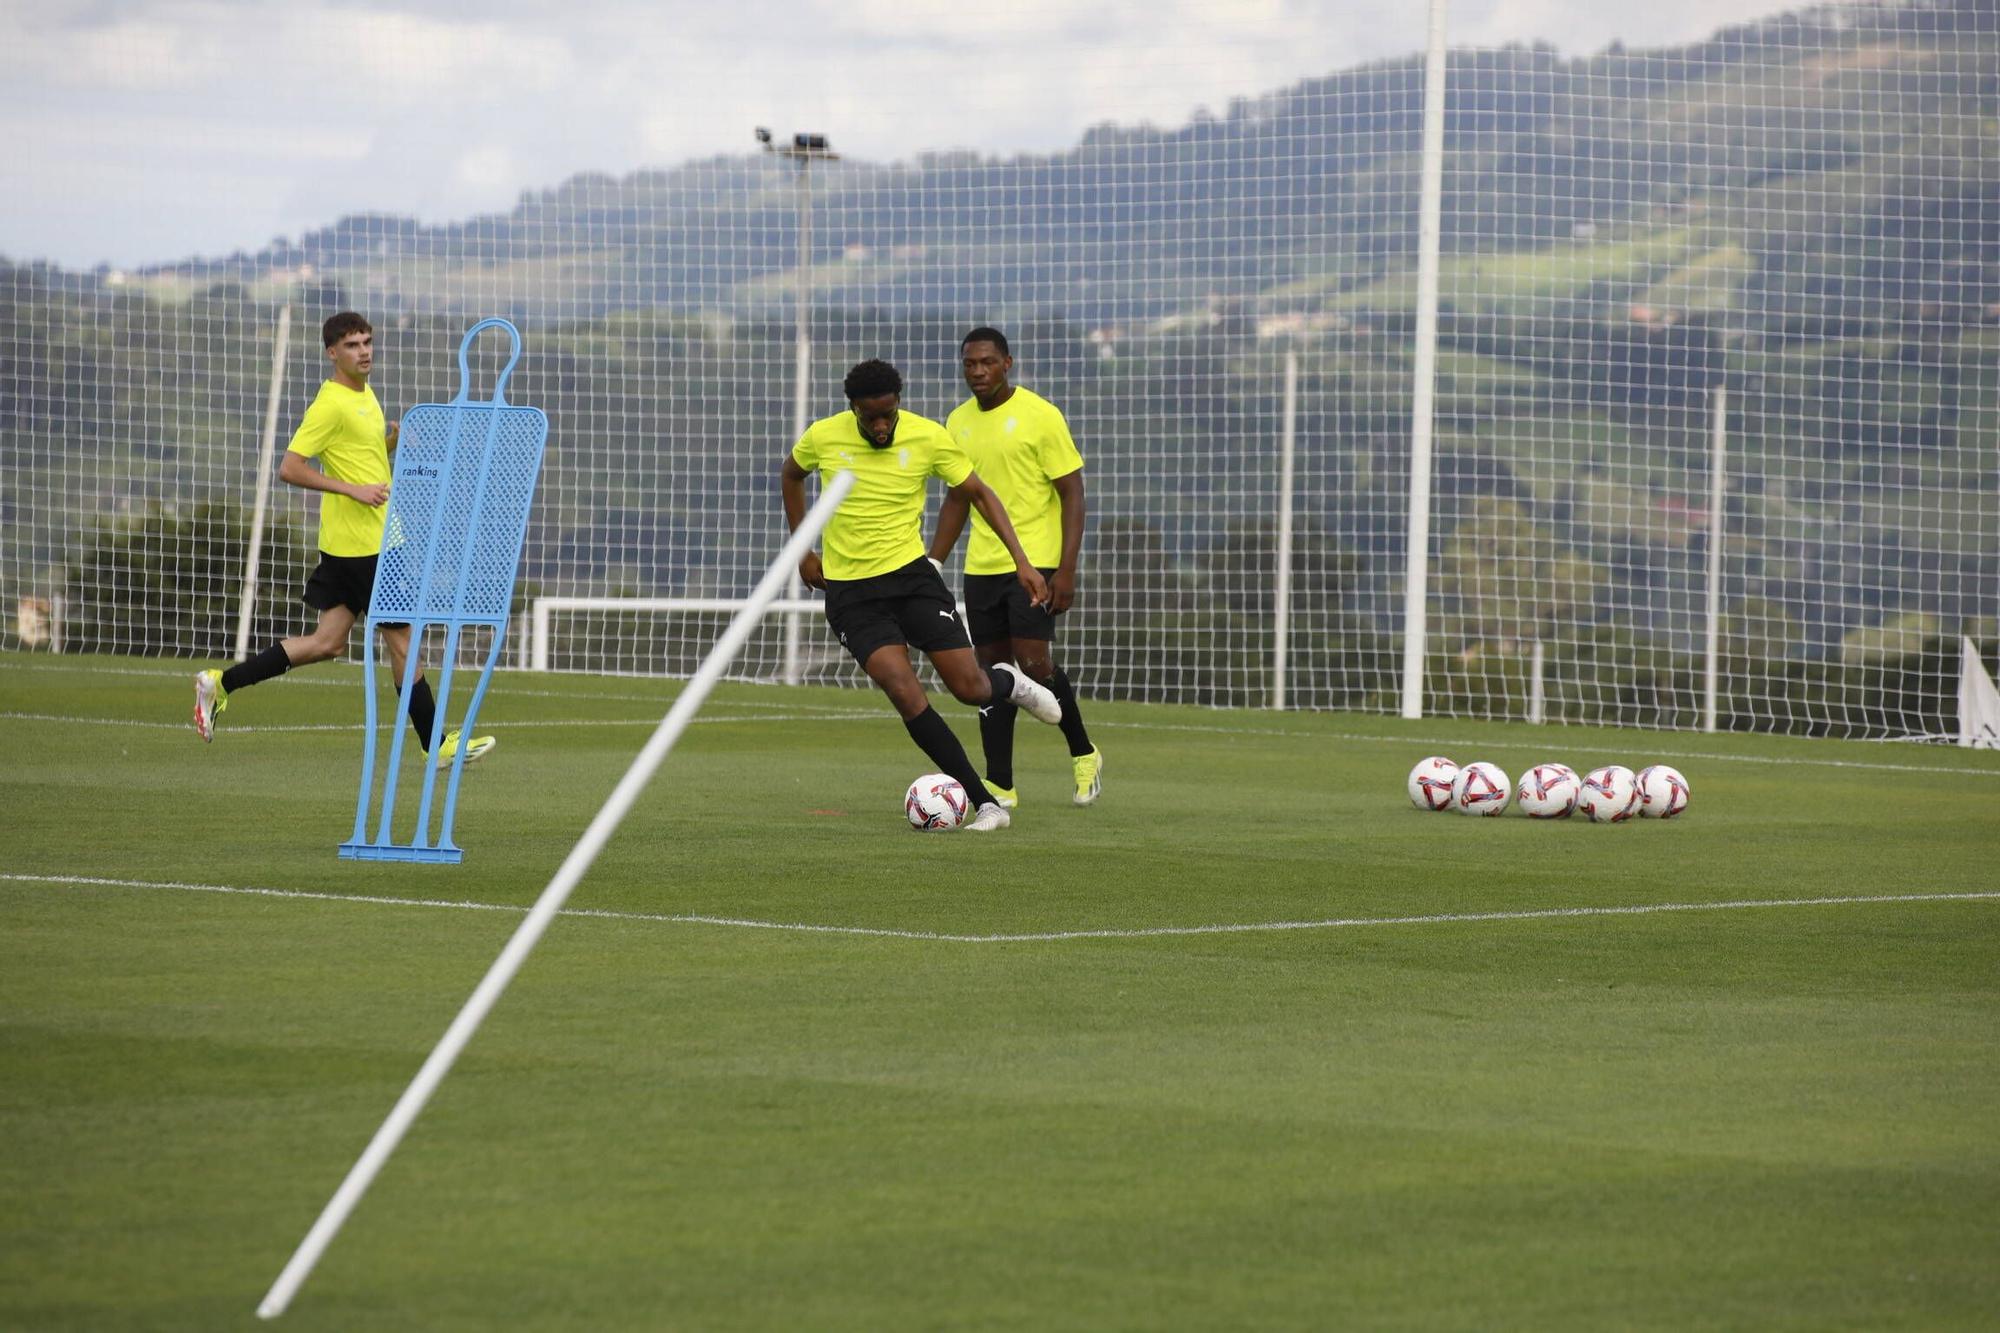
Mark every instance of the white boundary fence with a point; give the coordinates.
(1540, 402)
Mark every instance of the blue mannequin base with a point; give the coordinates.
(374, 851)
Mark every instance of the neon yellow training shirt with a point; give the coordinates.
(879, 527)
(1019, 449)
(345, 430)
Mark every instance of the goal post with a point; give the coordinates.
(543, 610)
(564, 882)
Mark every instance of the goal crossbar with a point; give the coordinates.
(542, 612)
(551, 901)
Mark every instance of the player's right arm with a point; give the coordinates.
(792, 485)
(297, 470)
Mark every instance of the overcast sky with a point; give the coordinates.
(136, 131)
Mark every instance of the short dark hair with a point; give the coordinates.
(872, 379)
(342, 324)
(982, 334)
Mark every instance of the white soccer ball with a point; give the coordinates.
(935, 801)
(1548, 791)
(1430, 783)
(1609, 795)
(1663, 792)
(1480, 789)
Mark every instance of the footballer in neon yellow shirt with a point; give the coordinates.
(883, 595)
(341, 449)
(1019, 442)
(345, 430)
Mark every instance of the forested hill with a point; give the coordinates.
(1852, 136)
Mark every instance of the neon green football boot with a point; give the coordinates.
(209, 699)
(475, 750)
(1089, 776)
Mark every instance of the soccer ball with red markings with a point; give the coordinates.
(1480, 789)
(1663, 792)
(1547, 791)
(935, 801)
(1609, 795)
(1430, 783)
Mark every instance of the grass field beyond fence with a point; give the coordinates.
(792, 1066)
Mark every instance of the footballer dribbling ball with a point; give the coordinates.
(1430, 783)
(1609, 795)
(1480, 789)
(1547, 791)
(1663, 792)
(935, 801)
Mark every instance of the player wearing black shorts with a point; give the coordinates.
(1019, 442)
(882, 596)
(346, 432)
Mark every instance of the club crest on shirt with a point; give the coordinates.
(903, 459)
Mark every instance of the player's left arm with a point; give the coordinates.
(974, 492)
(1062, 588)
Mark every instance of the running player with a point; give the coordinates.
(346, 432)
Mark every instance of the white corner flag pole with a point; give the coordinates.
(567, 876)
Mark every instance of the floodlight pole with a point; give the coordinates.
(803, 151)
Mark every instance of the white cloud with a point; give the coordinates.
(486, 168)
(408, 60)
(258, 115)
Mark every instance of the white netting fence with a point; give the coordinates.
(1783, 242)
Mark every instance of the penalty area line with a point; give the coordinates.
(1030, 937)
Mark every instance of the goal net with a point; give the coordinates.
(1717, 411)
(1717, 375)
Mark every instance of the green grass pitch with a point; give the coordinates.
(1747, 1117)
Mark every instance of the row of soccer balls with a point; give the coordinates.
(1608, 795)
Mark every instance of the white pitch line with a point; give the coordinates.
(829, 715)
(303, 727)
(1539, 746)
(794, 711)
(348, 679)
(1034, 937)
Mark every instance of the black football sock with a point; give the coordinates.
(1072, 720)
(1001, 683)
(936, 739)
(271, 662)
(996, 738)
(423, 710)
